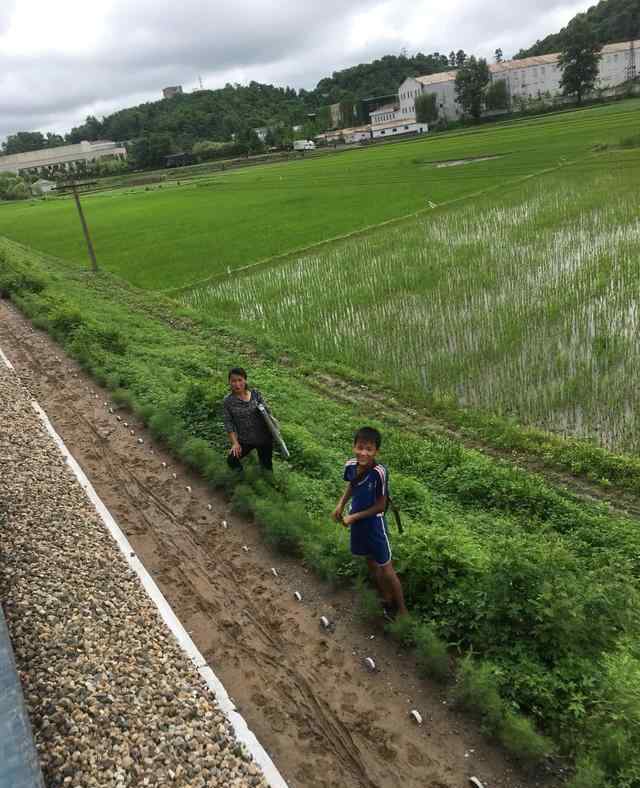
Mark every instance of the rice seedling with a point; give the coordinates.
(526, 307)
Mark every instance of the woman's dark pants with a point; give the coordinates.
(265, 453)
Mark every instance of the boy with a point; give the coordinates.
(367, 487)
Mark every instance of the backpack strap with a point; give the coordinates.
(390, 504)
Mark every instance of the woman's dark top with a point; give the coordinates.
(245, 419)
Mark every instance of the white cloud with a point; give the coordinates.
(62, 61)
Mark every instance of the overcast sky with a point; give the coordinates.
(61, 60)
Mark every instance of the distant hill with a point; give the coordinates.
(613, 20)
(379, 78)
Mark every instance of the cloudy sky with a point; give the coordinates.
(63, 60)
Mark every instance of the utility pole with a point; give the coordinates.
(631, 67)
(85, 227)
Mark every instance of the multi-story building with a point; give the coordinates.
(63, 158)
(388, 121)
(527, 78)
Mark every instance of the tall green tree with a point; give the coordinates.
(470, 86)
(498, 55)
(23, 142)
(497, 95)
(427, 108)
(579, 59)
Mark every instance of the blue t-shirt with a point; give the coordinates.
(366, 490)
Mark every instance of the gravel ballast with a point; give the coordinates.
(112, 698)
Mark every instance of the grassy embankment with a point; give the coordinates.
(540, 589)
(170, 237)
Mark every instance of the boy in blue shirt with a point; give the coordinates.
(367, 487)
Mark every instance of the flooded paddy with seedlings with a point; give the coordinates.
(526, 305)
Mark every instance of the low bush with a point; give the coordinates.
(431, 652)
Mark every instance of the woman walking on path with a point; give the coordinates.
(245, 424)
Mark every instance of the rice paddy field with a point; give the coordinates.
(179, 233)
(525, 305)
(493, 268)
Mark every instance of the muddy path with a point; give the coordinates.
(386, 406)
(325, 720)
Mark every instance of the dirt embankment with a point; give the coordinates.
(325, 720)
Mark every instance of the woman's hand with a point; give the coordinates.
(236, 449)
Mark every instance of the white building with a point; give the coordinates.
(261, 132)
(43, 186)
(528, 78)
(389, 121)
(347, 136)
(63, 158)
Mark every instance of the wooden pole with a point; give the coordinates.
(85, 229)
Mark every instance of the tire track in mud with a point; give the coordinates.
(326, 722)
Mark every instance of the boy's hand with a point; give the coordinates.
(337, 514)
(236, 450)
(348, 519)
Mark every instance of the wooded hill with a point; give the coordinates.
(612, 21)
(231, 112)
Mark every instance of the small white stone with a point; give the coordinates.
(325, 623)
(126, 424)
(133, 432)
(274, 571)
(475, 782)
(297, 595)
(245, 548)
(369, 663)
(224, 523)
(164, 464)
(175, 475)
(140, 441)
(119, 418)
(209, 507)
(416, 716)
(188, 488)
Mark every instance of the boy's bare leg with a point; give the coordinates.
(391, 587)
(374, 574)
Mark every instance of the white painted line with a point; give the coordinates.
(8, 364)
(240, 727)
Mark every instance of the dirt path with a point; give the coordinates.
(324, 719)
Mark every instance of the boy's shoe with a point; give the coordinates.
(389, 611)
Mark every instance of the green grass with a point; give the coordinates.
(541, 588)
(524, 306)
(168, 237)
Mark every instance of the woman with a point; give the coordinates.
(245, 424)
